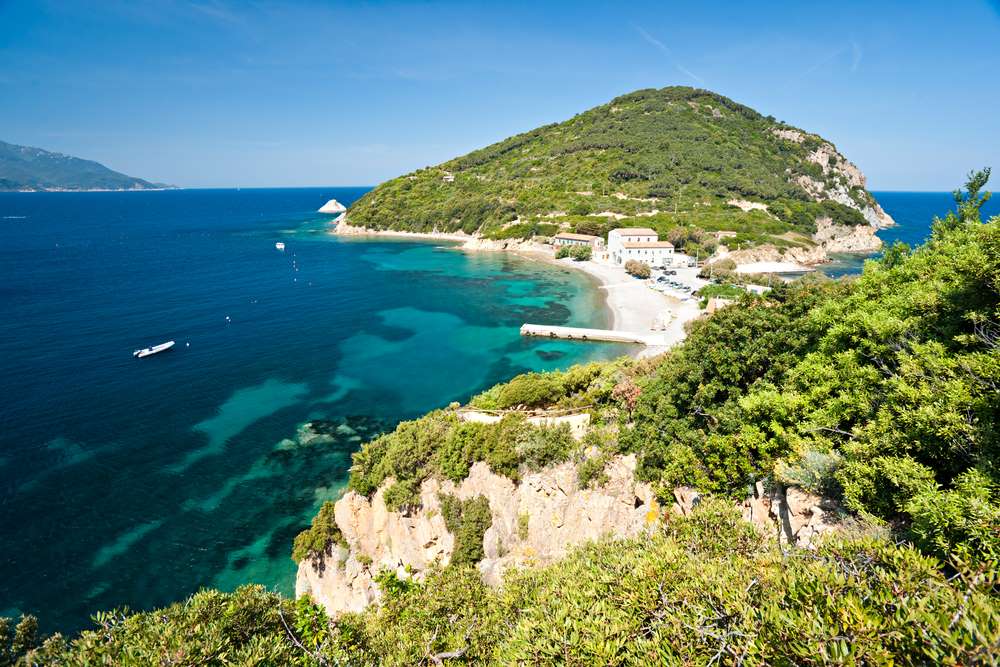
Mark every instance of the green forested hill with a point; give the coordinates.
(27, 168)
(880, 393)
(680, 152)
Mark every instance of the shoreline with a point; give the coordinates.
(631, 304)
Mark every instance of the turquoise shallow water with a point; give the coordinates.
(136, 482)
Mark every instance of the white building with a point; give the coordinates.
(679, 260)
(653, 253)
(616, 237)
(567, 238)
(639, 243)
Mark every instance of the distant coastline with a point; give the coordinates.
(164, 188)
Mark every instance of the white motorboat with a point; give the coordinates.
(279, 245)
(156, 349)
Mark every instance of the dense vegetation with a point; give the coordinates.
(579, 253)
(705, 590)
(674, 155)
(881, 392)
(26, 168)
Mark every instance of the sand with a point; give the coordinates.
(637, 307)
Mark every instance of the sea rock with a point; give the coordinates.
(332, 206)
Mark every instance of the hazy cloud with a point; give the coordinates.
(667, 52)
(856, 54)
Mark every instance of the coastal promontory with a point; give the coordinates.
(28, 169)
(701, 169)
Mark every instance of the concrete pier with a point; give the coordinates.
(605, 335)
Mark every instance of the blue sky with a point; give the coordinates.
(213, 93)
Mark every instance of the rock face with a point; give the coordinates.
(534, 523)
(792, 516)
(844, 238)
(770, 253)
(848, 176)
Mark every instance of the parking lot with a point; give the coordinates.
(679, 283)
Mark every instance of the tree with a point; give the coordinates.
(968, 204)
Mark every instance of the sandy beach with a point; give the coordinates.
(638, 308)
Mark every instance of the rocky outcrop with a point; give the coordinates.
(847, 178)
(844, 183)
(770, 253)
(792, 516)
(533, 523)
(846, 238)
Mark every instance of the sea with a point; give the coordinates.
(136, 482)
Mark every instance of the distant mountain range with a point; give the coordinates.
(27, 169)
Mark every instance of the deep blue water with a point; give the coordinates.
(913, 213)
(136, 482)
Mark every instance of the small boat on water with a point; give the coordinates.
(156, 349)
(279, 245)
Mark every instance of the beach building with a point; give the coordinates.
(639, 243)
(567, 238)
(653, 253)
(678, 260)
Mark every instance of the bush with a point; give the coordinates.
(468, 521)
(590, 471)
(579, 253)
(813, 471)
(531, 390)
(402, 496)
(883, 485)
(638, 269)
(963, 522)
(317, 540)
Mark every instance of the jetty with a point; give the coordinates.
(603, 335)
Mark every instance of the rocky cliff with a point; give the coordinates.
(533, 523)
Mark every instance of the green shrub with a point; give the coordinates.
(963, 522)
(883, 485)
(813, 471)
(579, 253)
(244, 627)
(590, 471)
(531, 390)
(317, 540)
(468, 521)
(402, 496)
(542, 446)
